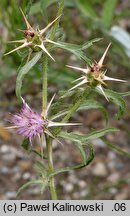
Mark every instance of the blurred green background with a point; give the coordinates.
(82, 21)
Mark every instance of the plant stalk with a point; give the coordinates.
(44, 104)
(44, 86)
(72, 110)
(50, 170)
(74, 107)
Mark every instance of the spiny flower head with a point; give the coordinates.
(34, 38)
(30, 123)
(94, 75)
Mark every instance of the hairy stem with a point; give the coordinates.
(53, 32)
(44, 104)
(73, 109)
(44, 86)
(50, 170)
(45, 62)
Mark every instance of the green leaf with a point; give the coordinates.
(117, 99)
(28, 184)
(115, 148)
(90, 43)
(82, 165)
(86, 7)
(81, 140)
(23, 71)
(85, 138)
(82, 152)
(77, 50)
(108, 12)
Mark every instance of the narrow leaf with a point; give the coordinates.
(82, 152)
(26, 185)
(115, 147)
(82, 165)
(24, 70)
(90, 43)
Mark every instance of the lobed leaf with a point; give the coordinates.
(85, 138)
(78, 49)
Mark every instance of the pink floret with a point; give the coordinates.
(28, 122)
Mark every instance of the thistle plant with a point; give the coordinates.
(55, 115)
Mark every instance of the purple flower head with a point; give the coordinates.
(28, 122)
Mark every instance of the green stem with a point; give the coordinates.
(49, 143)
(45, 62)
(50, 170)
(44, 104)
(73, 109)
(44, 85)
(53, 32)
